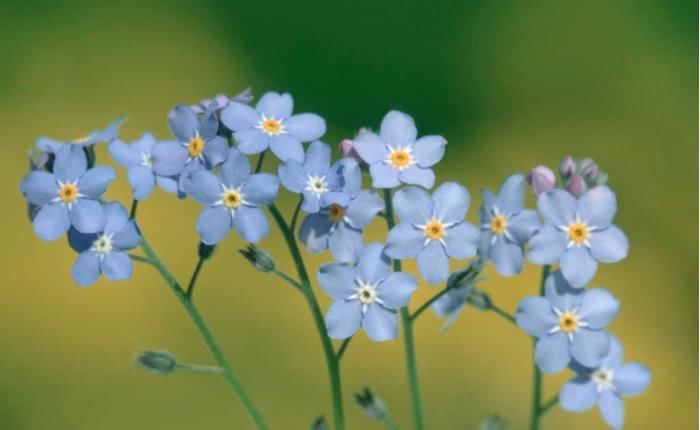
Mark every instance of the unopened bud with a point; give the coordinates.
(576, 185)
(371, 405)
(260, 259)
(494, 422)
(479, 299)
(158, 362)
(205, 251)
(319, 424)
(567, 167)
(541, 179)
(349, 151)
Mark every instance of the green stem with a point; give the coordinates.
(536, 411)
(503, 313)
(193, 279)
(329, 352)
(343, 347)
(409, 348)
(134, 206)
(547, 406)
(291, 281)
(199, 368)
(295, 217)
(390, 424)
(261, 158)
(427, 304)
(206, 335)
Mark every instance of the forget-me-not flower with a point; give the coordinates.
(578, 233)
(432, 229)
(319, 183)
(232, 199)
(105, 252)
(137, 158)
(506, 226)
(605, 385)
(69, 195)
(365, 295)
(106, 135)
(271, 125)
(568, 323)
(395, 156)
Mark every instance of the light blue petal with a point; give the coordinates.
(275, 105)
(578, 266)
(334, 197)
(345, 243)
(404, 241)
(557, 207)
(144, 145)
(251, 141)
(52, 146)
(116, 217)
(109, 133)
(70, 163)
(535, 316)
(590, 346)
(117, 266)
(373, 264)
(95, 181)
(511, 198)
(318, 159)
(578, 395)
(395, 292)
(560, 293)
(203, 186)
(345, 175)
(142, 181)
(609, 245)
(413, 205)
(287, 147)
(552, 353)
(236, 169)
(306, 126)
(215, 151)
(292, 176)
(314, 231)
(86, 269)
(614, 357)
(128, 237)
(310, 202)
(597, 206)
(415, 175)
(398, 129)
(238, 116)
(87, 216)
(371, 148)
(632, 379)
(384, 175)
(612, 409)
(547, 245)
(251, 223)
(213, 224)
(428, 150)
(433, 264)
(451, 202)
(598, 307)
(488, 199)
(461, 241)
(484, 244)
(126, 155)
(523, 226)
(343, 318)
(51, 222)
(80, 242)
(39, 187)
(363, 208)
(183, 122)
(261, 189)
(380, 324)
(450, 303)
(169, 158)
(209, 125)
(167, 184)
(337, 280)
(507, 258)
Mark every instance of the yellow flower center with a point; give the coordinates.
(271, 126)
(81, 139)
(568, 322)
(434, 230)
(498, 224)
(336, 212)
(578, 232)
(400, 158)
(232, 199)
(68, 193)
(195, 146)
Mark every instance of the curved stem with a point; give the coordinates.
(536, 411)
(261, 158)
(329, 352)
(134, 206)
(427, 304)
(193, 279)
(295, 218)
(547, 406)
(503, 313)
(343, 347)
(206, 335)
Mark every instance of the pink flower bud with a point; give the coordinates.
(567, 167)
(348, 150)
(576, 185)
(541, 179)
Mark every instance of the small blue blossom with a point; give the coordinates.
(68, 196)
(137, 158)
(506, 226)
(232, 199)
(198, 144)
(105, 252)
(568, 323)
(432, 229)
(271, 125)
(319, 183)
(605, 385)
(395, 156)
(366, 295)
(578, 233)
(105, 135)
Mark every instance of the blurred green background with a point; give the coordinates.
(510, 84)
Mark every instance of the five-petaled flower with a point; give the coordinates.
(232, 199)
(105, 252)
(395, 156)
(605, 385)
(578, 233)
(365, 295)
(69, 195)
(271, 125)
(568, 323)
(506, 226)
(432, 229)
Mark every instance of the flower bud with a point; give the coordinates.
(205, 251)
(371, 405)
(494, 422)
(567, 167)
(158, 362)
(260, 259)
(541, 179)
(589, 169)
(319, 424)
(348, 150)
(576, 185)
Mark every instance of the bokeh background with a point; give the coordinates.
(510, 84)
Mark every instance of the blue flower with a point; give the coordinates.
(106, 135)
(605, 385)
(68, 196)
(105, 252)
(506, 226)
(432, 229)
(318, 182)
(578, 233)
(568, 323)
(198, 144)
(232, 200)
(366, 295)
(137, 158)
(396, 156)
(271, 124)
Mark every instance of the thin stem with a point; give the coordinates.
(427, 304)
(206, 335)
(329, 352)
(261, 158)
(199, 368)
(295, 217)
(547, 406)
(134, 207)
(193, 279)
(409, 348)
(291, 281)
(536, 411)
(390, 424)
(140, 259)
(343, 347)
(503, 313)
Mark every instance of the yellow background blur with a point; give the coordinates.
(510, 84)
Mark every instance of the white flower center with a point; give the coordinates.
(400, 157)
(103, 244)
(146, 160)
(366, 293)
(569, 322)
(316, 184)
(271, 126)
(603, 379)
(231, 198)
